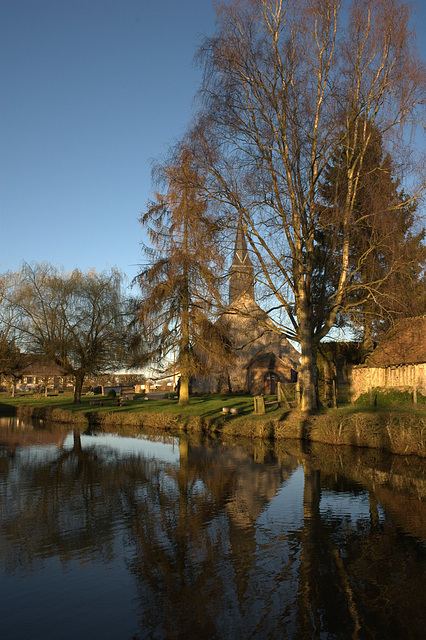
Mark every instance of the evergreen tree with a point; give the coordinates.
(387, 254)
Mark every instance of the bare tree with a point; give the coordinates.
(75, 319)
(286, 87)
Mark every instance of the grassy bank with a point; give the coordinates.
(203, 412)
(396, 428)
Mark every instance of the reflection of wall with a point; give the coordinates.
(407, 512)
(398, 483)
(29, 437)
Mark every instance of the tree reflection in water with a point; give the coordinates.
(215, 539)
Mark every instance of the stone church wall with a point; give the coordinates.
(258, 352)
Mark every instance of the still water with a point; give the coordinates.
(160, 536)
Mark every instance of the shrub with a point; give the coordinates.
(111, 394)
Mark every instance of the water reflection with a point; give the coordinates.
(167, 537)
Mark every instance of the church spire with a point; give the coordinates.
(241, 274)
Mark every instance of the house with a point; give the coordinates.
(34, 371)
(399, 360)
(260, 357)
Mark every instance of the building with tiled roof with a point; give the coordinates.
(35, 371)
(403, 345)
(398, 361)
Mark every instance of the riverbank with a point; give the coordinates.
(397, 429)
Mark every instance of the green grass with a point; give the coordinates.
(204, 406)
(384, 398)
(203, 412)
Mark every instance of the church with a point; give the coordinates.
(260, 357)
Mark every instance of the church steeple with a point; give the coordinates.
(241, 274)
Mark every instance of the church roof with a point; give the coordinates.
(245, 305)
(268, 361)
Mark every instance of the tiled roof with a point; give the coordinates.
(32, 366)
(404, 344)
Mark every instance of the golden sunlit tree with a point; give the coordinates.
(180, 281)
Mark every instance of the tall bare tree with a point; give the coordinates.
(75, 319)
(180, 280)
(286, 87)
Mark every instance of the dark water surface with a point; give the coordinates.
(165, 537)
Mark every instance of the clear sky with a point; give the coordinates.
(91, 91)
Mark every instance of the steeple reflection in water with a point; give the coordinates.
(160, 536)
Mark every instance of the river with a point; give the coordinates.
(167, 536)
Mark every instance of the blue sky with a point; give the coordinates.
(91, 91)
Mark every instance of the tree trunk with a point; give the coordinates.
(77, 441)
(184, 390)
(78, 388)
(308, 373)
(308, 343)
(311, 554)
(184, 350)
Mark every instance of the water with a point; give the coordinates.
(164, 537)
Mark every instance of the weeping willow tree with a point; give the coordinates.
(77, 320)
(180, 281)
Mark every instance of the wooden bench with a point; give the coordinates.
(124, 399)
